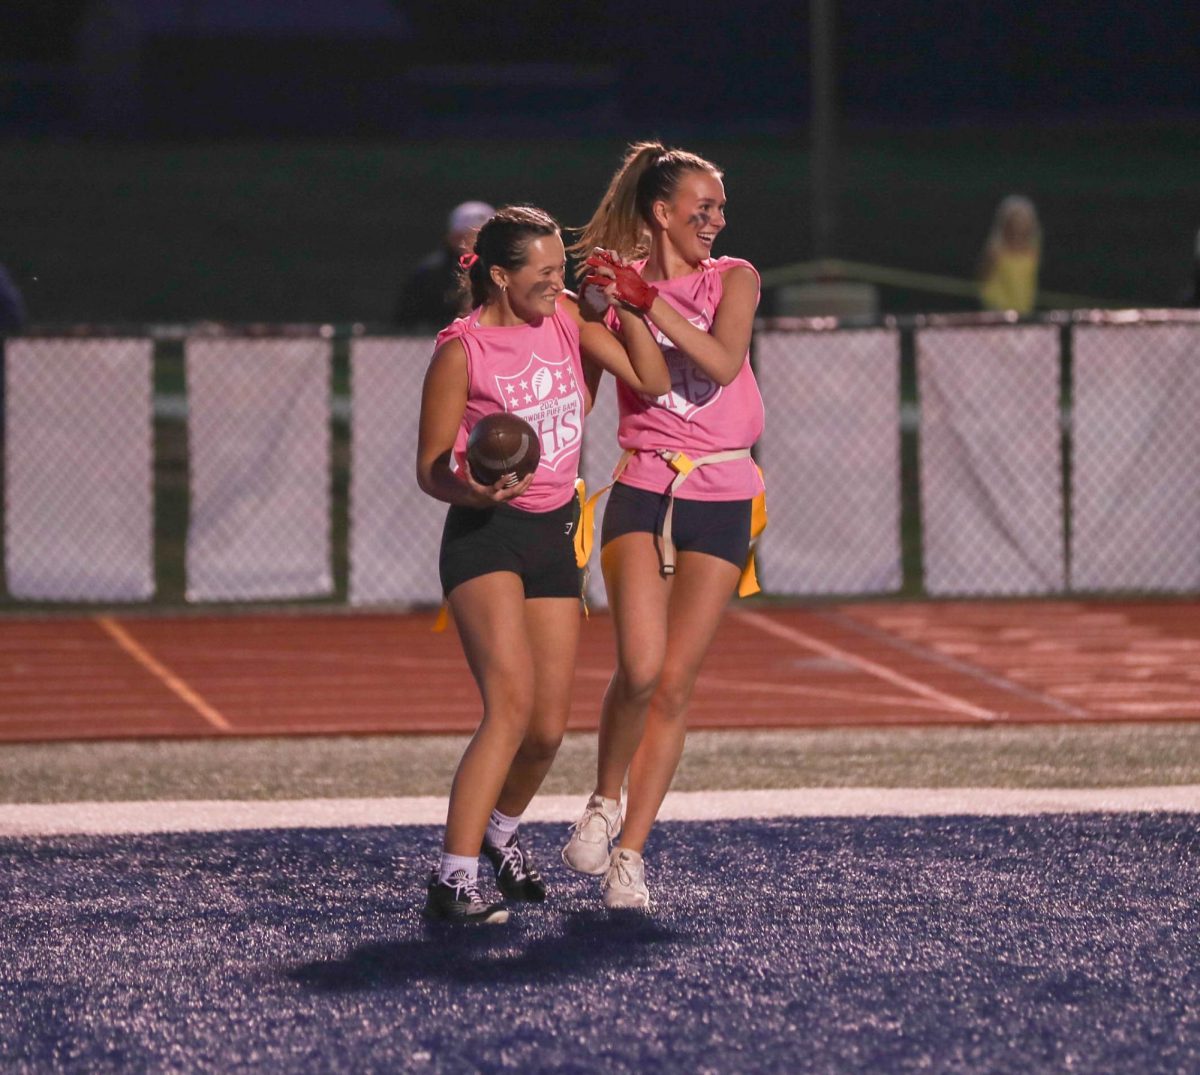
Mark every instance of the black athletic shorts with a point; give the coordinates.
(717, 527)
(537, 546)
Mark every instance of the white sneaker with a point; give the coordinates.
(625, 882)
(587, 851)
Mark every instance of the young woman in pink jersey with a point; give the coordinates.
(507, 558)
(673, 541)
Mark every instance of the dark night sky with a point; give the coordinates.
(322, 66)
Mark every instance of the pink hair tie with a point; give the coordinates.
(467, 260)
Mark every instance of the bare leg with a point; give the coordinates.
(553, 631)
(702, 588)
(490, 613)
(638, 597)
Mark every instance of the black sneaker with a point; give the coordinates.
(516, 875)
(457, 899)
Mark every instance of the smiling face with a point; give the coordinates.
(695, 215)
(534, 286)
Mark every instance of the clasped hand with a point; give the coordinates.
(620, 283)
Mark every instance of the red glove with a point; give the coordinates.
(632, 290)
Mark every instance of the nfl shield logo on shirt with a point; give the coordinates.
(691, 387)
(547, 396)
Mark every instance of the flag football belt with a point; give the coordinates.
(683, 465)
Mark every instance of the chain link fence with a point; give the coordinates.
(258, 450)
(990, 459)
(78, 470)
(831, 460)
(1135, 475)
(395, 529)
(953, 455)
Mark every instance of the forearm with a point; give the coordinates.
(645, 355)
(721, 353)
(440, 482)
(713, 357)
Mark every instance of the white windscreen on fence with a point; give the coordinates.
(258, 439)
(831, 456)
(79, 470)
(1135, 488)
(991, 485)
(395, 529)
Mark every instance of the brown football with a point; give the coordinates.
(502, 443)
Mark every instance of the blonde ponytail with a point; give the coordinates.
(617, 224)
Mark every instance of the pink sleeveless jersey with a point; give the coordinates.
(534, 371)
(698, 416)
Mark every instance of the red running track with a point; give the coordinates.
(885, 663)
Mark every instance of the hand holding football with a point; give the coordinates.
(499, 444)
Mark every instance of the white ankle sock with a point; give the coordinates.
(610, 807)
(500, 828)
(453, 863)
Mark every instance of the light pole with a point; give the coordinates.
(821, 18)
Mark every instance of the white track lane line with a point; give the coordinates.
(117, 818)
(806, 641)
(925, 650)
(162, 673)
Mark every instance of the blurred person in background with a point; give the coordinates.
(1008, 269)
(12, 307)
(12, 320)
(431, 297)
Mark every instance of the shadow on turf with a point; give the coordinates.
(493, 954)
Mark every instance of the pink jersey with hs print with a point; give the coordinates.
(698, 416)
(534, 371)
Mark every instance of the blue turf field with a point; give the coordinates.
(1052, 943)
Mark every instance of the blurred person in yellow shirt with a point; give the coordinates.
(1008, 271)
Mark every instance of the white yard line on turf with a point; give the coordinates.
(101, 818)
